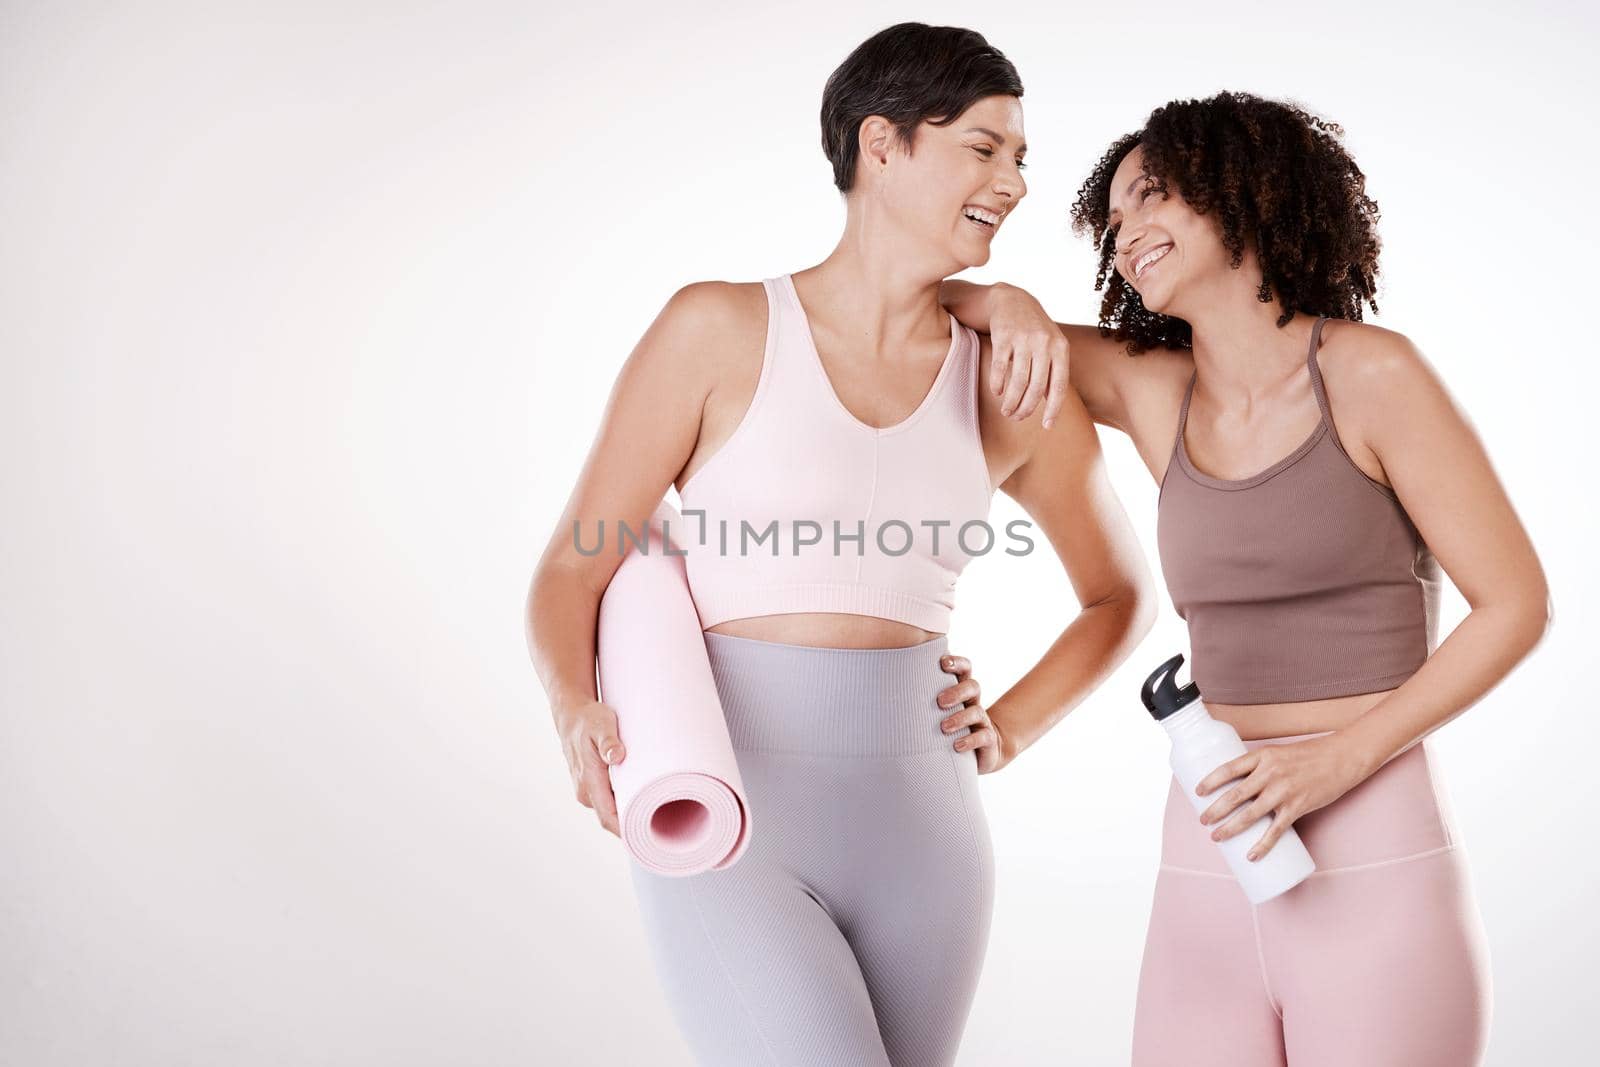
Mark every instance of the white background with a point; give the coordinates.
(307, 316)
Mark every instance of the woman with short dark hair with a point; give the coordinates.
(843, 400)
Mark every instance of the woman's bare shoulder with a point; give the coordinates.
(706, 329)
(1371, 374)
(1365, 356)
(713, 308)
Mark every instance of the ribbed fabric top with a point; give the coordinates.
(806, 508)
(1305, 581)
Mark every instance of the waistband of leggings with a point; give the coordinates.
(815, 700)
(1399, 812)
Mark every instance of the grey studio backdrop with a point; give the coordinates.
(308, 313)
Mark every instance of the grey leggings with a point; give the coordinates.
(853, 929)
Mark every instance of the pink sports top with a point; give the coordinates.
(1305, 581)
(808, 509)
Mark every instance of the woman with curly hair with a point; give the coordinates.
(1315, 475)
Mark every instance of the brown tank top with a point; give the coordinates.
(1305, 581)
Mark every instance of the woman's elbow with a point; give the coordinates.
(1145, 610)
(1531, 616)
(1137, 603)
(1541, 616)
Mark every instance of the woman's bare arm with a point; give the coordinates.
(648, 431)
(1028, 344)
(1064, 488)
(1437, 465)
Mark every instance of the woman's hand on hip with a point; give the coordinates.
(590, 741)
(1031, 355)
(1285, 781)
(963, 698)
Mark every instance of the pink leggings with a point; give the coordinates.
(1377, 959)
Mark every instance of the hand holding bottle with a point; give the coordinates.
(1285, 781)
(1205, 749)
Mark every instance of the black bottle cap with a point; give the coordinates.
(1161, 694)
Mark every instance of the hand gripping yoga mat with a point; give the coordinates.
(680, 803)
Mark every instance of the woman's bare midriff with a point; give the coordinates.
(826, 630)
(1257, 721)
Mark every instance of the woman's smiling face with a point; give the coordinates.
(1163, 247)
(956, 186)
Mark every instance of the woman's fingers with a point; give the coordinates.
(1022, 371)
(1245, 817)
(980, 738)
(962, 692)
(1231, 798)
(966, 688)
(1038, 380)
(983, 737)
(1029, 355)
(989, 755)
(592, 746)
(1280, 822)
(1234, 768)
(1000, 362)
(1010, 368)
(597, 785)
(964, 697)
(971, 714)
(594, 725)
(1060, 355)
(1027, 370)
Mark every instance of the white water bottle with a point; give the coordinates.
(1201, 744)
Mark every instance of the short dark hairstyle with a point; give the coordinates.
(1268, 173)
(908, 73)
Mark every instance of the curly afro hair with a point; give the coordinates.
(1269, 173)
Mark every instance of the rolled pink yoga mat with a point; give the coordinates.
(680, 802)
